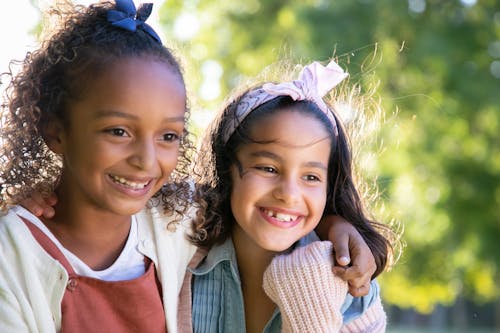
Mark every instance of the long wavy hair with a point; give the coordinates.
(79, 43)
(216, 157)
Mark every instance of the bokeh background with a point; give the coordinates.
(436, 160)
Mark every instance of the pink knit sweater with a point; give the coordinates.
(309, 296)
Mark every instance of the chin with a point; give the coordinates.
(129, 209)
(277, 247)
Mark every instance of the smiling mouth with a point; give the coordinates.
(280, 216)
(130, 184)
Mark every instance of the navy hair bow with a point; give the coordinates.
(125, 16)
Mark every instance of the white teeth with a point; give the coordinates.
(285, 217)
(134, 185)
(281, 216)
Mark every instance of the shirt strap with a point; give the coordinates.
(48, 245)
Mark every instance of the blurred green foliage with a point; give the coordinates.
(438, 64)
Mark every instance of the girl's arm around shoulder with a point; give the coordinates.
(354, 261)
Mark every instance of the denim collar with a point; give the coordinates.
(218, 254)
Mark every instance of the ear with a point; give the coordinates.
(53, 132)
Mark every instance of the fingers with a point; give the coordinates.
(341, 249)
(46, 202)
(358, 279)
(48, 212)
(362, 262)
(353, 274)
(40, 205)
(31, 205)
(51, 199)
(358, 272)
(354, 260)
(339, 233)
(359, 291)
(359, 284)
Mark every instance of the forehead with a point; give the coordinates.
(289, 127)
(134, 73)
(136, 86)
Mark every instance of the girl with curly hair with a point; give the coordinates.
(97, 115)
(275, 161)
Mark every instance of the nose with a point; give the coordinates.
(287, 190)
(143, 154)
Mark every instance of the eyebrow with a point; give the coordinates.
(120, 114)
(273, 156)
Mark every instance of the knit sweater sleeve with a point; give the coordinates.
(306, 291)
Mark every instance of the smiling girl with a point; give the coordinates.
(97, 115)
(276, 161)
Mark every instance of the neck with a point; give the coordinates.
(252, 262)
(94, 235)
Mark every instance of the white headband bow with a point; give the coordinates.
(314, 82)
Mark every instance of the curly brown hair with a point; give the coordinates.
(77, 47)
(215, 218)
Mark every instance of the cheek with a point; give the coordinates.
(104, 154)
(241, 196)
(318, 199)
(248, 187)
(91, 156)
(235, 198)
(168, 160)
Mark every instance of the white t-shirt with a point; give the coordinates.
(129, 264)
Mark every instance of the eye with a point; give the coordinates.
(312, 178)
(169, 137)
(268, 169)
(117, 132)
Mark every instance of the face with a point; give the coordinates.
(123, 136)
(279, 194)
